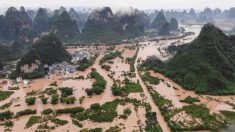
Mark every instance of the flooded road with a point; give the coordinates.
(154, 107)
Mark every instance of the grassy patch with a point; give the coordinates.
(133, 88)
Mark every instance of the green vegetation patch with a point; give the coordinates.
(59, 121)
(70, 110)
(30, 100)
(6, 115)
(148, 78)
(131, 61)
(5, 94)
(114, 129)
(25, 112)
(110, 56)
(85, 63)
(32, 120)
(106, 67)
(133, 88)
(99, 85)
(130, 87)
(7, 105)
(47, 111)
(190, 100)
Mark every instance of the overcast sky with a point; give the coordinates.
(140, 4)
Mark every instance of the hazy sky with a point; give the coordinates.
(140, 4)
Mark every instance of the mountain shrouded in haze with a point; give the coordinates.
(164, 27)
(231, 13)
(15, 23)
(51, 50)
(206, 65)
(41, 21)
(63, 25)
(102, 24)
(13, 51)
(75, 16)
(174, 24)
(159, 21)
(132, 22)
(1, 65)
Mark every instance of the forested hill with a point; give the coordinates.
(206, 65)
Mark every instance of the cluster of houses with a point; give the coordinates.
(6, 70)
(20, 79)
(61, 68)
(79, 55)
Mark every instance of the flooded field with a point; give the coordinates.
(119, 71)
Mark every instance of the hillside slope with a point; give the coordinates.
(206, 65)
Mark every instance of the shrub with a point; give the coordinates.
(95, 106)
(114, 129)
(32, 120)
(6, 115)
(110, 56)
(9, 124)
(5, 94)
(152, 80)
(50, 91)
(47, 111)
(133, 88)
(59, 121)
(54, 99)
(44, 100)
(7, 105)
(70, 110)
(106, 67)
(25, 112)
(81, 99)
(89, 92)
(84, 63)
(75, 122)
(53, 84)
(96, 130)
(117, 91)
(99, 85)
(30, 100)
(127, 111)
(68, 100)
(66, 91)
(190, 100)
